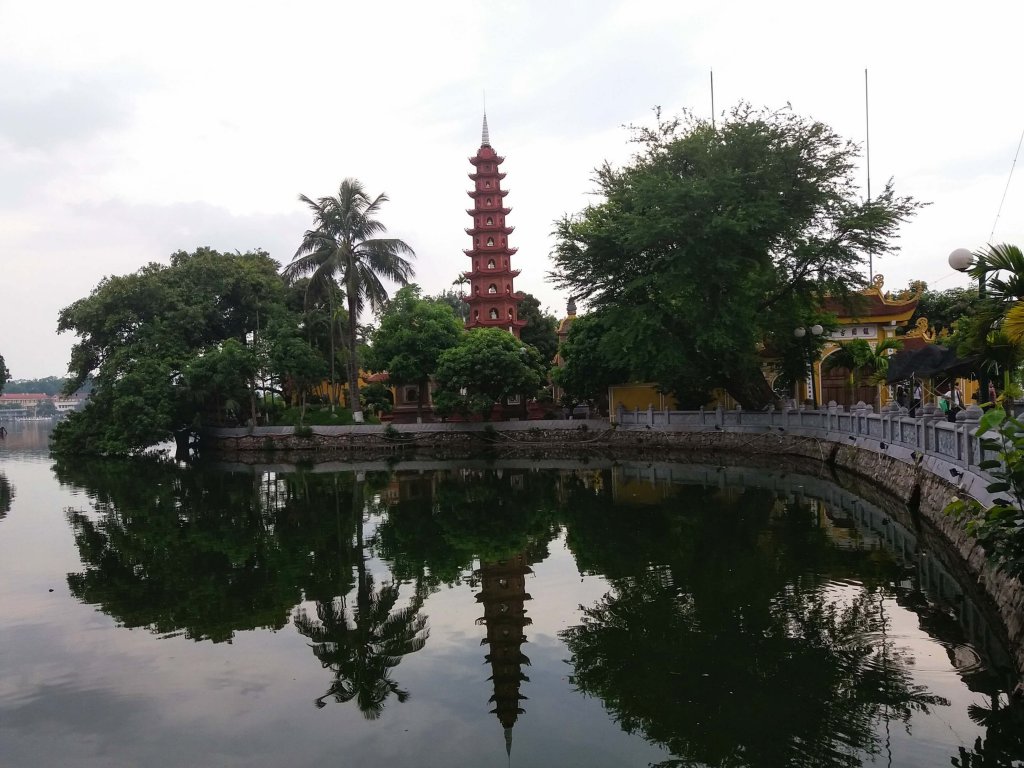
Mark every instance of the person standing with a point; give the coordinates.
(915, 403)
(956, 401)
(992, 394)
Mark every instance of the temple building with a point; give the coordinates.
(492, 298)
(873, 316)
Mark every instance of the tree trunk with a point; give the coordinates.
(331, 391)
(353, 363)
(750, 389)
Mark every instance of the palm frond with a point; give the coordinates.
(1013, 323)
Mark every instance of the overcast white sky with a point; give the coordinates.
(131, 130)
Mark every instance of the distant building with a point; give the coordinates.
(24, 399)
(26, 403)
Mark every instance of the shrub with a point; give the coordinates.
(1000, 528)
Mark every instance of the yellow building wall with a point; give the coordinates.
(642, 396)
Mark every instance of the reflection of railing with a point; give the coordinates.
(934, 579)
(950, 450)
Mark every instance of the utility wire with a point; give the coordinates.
(1007, 188)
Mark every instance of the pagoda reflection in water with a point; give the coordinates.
(503, 594)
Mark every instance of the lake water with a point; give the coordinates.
(593, 614)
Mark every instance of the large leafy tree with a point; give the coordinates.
(140, 334)
(717, 239)
(412, 335)
(591, 362)
(489, 364)
(541, 329)
(344, 245)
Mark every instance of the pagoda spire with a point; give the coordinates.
(485, 139)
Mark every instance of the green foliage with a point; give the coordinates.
(344, 246)
(592, 361)
(541, 330)
(861, 361)
(454, 300)
(412, 335)
(489, 364)
(994, 331)
(300, 366)
(718, 239)
(6, 495)
(702, 576)
(5, 375)
(165, 347)
(1000, 527)
(220, 380)
(173, 550)
(942, 309)
(48, 385)
(315, 416)
(378, 398)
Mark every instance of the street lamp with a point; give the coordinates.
(962, 260)
(816, 330)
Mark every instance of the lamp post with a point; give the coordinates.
(962, 260)
(816, 330)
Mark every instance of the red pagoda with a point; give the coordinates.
(493, 300)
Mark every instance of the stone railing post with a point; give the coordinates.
(969, 418)
(927, 436)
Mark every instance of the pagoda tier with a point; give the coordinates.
(492, 158)
(489, 252)
(492, 297)
(485, 211)
(498, 271)
(475, 176)
(489, 192)
(472, 231)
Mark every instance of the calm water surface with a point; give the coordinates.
(442, 615)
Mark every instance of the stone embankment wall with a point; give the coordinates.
(923, 480)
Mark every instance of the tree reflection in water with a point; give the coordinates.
(363, 644)
(176, 550)
(733, 632)
(6, 495)
(732, 651)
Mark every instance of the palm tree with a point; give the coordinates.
(998, 329)
(343, 247)
(863, 362)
